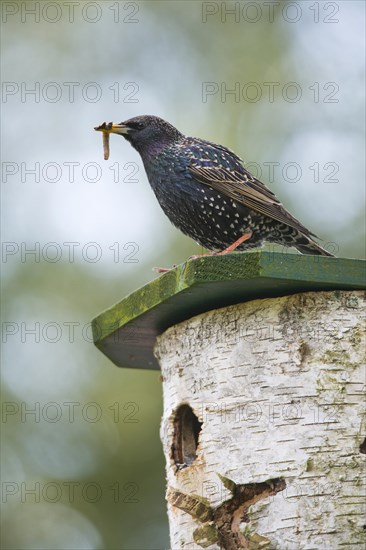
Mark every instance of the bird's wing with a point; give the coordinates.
(239, 184)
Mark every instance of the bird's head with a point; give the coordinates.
(146, 133)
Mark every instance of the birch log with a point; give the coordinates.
(264, 424)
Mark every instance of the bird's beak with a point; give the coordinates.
(113, 128)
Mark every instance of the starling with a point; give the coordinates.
(207, 193)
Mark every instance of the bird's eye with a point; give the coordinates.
(137, 125)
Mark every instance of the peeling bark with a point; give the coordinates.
(222, 524)
(278, 389)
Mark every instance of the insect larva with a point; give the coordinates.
(106, 145)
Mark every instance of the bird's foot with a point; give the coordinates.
(227, 250)
(163, 269)
(196, 256)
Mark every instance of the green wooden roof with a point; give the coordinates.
(126, 332)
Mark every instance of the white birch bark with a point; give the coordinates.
(279, 387)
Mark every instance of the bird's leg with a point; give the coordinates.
(230, 248)
(235, 245)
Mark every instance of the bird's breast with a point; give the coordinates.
(169, 178)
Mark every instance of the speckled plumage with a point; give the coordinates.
(207, 193)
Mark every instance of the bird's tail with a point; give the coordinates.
(306, 245)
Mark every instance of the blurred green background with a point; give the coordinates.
(85, 469)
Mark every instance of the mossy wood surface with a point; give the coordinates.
(126, 332)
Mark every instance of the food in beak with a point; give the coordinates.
(105, 129)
